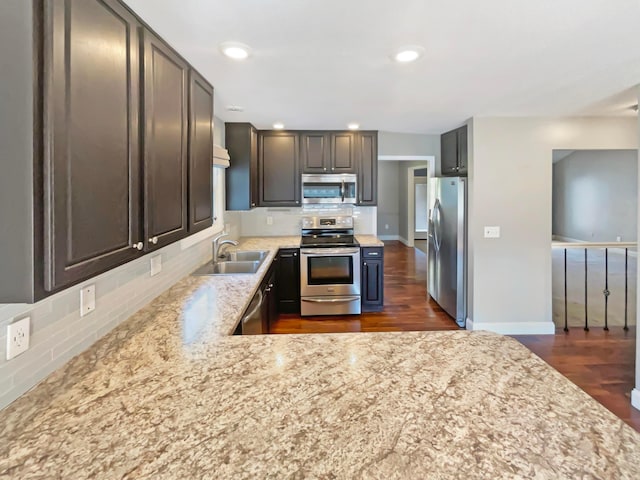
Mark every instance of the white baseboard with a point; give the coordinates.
(635, 398)
(468, 324)
(405, 241)
(515, 328)
(389, 237)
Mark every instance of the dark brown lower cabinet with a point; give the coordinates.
(200, 153)
(372, 272)
(288, 280)
(91, 162)
(166, 113)
(270, 299)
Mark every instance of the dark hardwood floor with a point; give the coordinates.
(406, 306)
(601, 363)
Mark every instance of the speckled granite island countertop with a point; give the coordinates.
(169, 394)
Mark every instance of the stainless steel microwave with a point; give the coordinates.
(329, 188)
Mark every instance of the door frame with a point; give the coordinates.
(411, 194)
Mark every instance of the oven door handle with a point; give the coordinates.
(329, 251)
(330, 300)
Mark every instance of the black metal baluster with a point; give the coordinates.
(606, 289)
(566, 328)
(626, 287)
(586, 287)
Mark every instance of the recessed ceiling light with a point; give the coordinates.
(353, 126)
(407, 54)
(278, 126)
(235, 50)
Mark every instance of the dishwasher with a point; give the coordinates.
(252, 321)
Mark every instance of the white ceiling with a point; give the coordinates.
(324, 63)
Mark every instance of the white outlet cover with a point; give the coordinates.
(87, 300)
(156, 264)
(18, 337)
(269, 220)
(491, 232)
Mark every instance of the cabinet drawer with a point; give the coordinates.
(372, 252)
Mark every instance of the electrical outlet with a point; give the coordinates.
(386, 226)
(87, 300)
(269, 220)
(18, 337)
(491, 232)
(618, 239)
(156, 264)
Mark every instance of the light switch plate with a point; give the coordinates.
(491, 232)
(18, 337)
(87, 300)
(269, 220)
(156, 264)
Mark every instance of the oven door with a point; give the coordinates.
(329, 189)
(329, 271)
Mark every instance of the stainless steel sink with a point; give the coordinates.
(229, 268)
(244, 256)
(225, 268)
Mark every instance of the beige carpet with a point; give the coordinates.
(596, 286)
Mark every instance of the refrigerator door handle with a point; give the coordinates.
(436, 224)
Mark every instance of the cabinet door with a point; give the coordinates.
(91, 161)
(166, 80)
(449, 153)
(278, 169)
(314, 151)
(463, 153)
(200, 153)
(368, 168)
(288, 280)
(241, 178)
(343, 156)
(372, 284)
(269, 309)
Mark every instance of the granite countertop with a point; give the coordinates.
(169, 394)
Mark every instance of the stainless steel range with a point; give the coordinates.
(329, 266)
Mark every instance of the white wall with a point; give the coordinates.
(388, 199)
(510, 186)
(595, 196)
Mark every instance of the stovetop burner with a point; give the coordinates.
(328, 232)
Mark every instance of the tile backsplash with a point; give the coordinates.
(269, 222)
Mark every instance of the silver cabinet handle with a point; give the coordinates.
(325, 169)
(373, 254)
(154, 240)
(365, 264)
(138, 246)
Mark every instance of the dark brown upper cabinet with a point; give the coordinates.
(200, 153)
(278, 172)
(367, 148)
(166, 114)
(241, 178)
(315, 155)
(454, 152)
(328, 152)
(343, 152)
(91, 156)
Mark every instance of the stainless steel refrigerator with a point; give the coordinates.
(447, 253)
